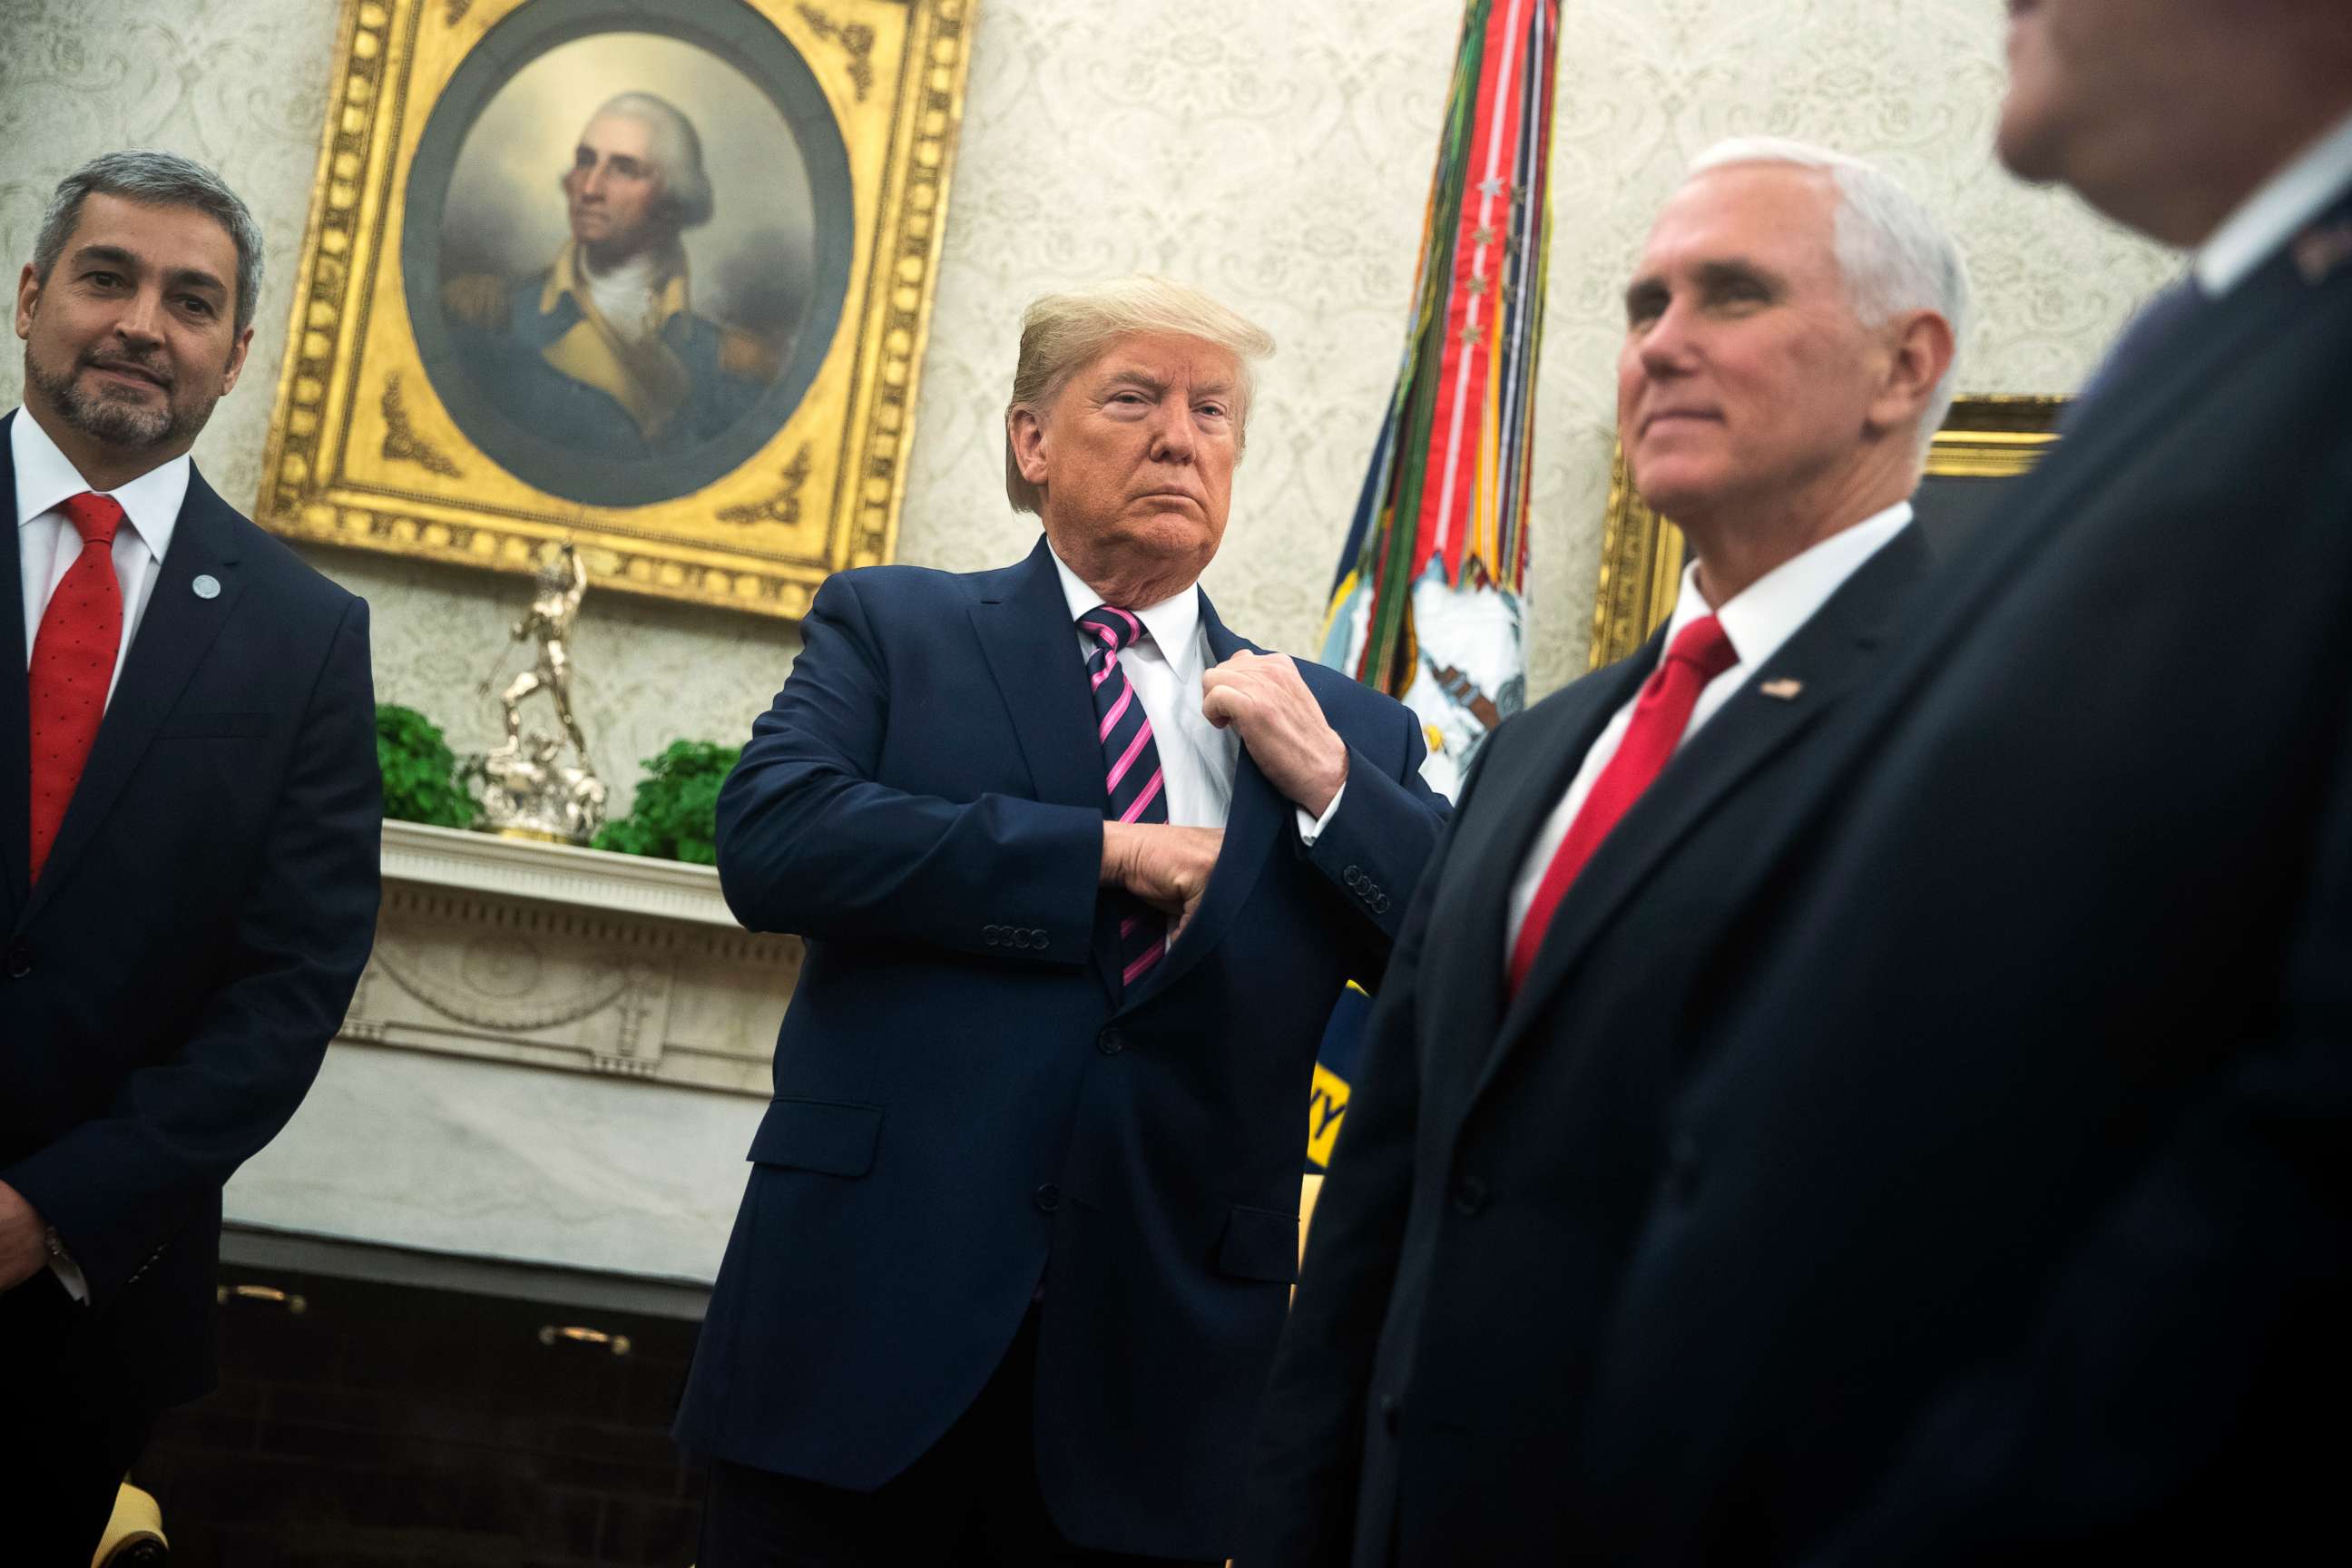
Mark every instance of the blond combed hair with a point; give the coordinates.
(1063, 333)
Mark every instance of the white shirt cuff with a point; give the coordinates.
(70, 1275)
(1310, 829)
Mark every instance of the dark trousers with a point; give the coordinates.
(973, 1500)
(66, 1439)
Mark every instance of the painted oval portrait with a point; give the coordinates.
(627, 252)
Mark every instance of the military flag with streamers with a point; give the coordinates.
(1426, 606)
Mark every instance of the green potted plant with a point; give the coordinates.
(420, 771)
(675, 815)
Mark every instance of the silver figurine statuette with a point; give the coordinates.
(528, 791)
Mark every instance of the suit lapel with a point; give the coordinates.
(1252, 826)
(174, 634)
(1827, 658)
(16, 714)
(1032, 649)
(1494, 835)
(1026, 635)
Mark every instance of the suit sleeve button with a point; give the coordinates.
(1047, 1198)
(1110, 1043)
(1037, 940)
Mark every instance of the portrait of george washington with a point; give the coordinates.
(602, 348)
(626, 254)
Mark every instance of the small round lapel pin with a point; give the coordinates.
(206, 585)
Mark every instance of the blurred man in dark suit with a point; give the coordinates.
(1082, 873)
(1786, 357)
(2007, 1215)
(189, 815)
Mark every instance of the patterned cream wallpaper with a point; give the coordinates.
(1276, 154)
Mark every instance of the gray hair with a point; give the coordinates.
(677, 147)
(160, 180)
(1894, 254)
(1063, 333)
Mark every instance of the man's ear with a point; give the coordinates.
(1026, 432)
(28, 294)
(236, 366)
(1922, 352)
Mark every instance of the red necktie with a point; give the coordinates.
(1699, 653)
(73, 665)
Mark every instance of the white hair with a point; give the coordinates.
(677, 148)
(1893, 253)
(1063, 333)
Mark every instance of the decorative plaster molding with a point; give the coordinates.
(556, 873)
(545, 955)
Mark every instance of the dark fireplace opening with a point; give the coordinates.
(379, 1408)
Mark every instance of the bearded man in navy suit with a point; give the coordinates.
(189, 818)
(1082, 873)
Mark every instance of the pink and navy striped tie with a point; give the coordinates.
(1133, 783)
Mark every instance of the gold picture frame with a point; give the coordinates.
(440, 400)
(1989, 438)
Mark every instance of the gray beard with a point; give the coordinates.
(117, 424)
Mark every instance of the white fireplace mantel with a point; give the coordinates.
(556, 1056)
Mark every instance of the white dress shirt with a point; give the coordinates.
(1756, 620)
(47, 544)
(1196, 758)
(2276, 213)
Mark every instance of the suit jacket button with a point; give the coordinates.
(1389, 1409)
(20, 959)
(1469, 1195)
(1047, 1198)
(1110, 1043)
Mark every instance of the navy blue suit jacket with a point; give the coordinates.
(169, 986)
(966, 1105)
(1500, 1148)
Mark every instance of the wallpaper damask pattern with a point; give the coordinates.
(1276, 155)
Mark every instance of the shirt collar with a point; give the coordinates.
(45, 478)
(1768, 612)
(671, 296)
(1174, 623)
(2271, 216)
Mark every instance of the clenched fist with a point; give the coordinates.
(1263, 697)
(1165, 866)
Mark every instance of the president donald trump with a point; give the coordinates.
(1081, 872)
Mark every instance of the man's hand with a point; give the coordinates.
(1166, 866)
(1263, 697)
(24, 1240)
